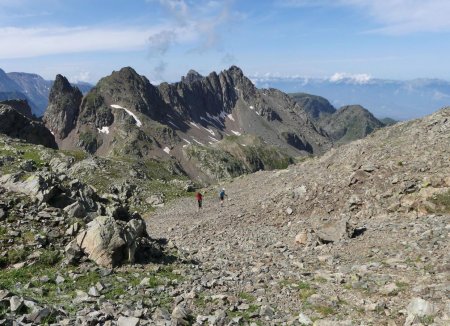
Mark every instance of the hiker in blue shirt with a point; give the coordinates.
(222, 196)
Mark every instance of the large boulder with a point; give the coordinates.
(333, 231)
(40, 185)
(111, 242)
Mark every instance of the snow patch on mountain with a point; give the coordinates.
(194, 124)
(138, 122)
(103, 130)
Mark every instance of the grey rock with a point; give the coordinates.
(389, 289)
(181, 314)
(39, 315)
(156, 200)
(128, 321)
(73, 229)
(15, 303)
(110, 243)
(38, 185)
(267, 312)
(304, 320)
(93, 292)
(420, 307)
(4, 294)
(75, 210)
(81, 297)
(329, 322)
(333, 231)
(73, 252)
(59, 279)
(28, 166)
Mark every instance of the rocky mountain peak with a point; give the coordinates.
(64, 106)
(129, 89)
(191, 77)
(317, 107)
(61, 84)
(236, 70)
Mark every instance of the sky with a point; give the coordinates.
(163, 39)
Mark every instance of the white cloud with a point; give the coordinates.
(353, 78)
(32, 42)
(82, 76)
(396, 17)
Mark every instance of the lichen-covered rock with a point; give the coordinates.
(110, 242)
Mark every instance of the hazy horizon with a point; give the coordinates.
(163, 39)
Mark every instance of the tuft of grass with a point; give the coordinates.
(246, 296)
(33, 155)
(324, 310)
(200, 301)
(442, 202)
(77, 155)
(49, 258)
(245, 314)
(321, 279)
(427, 320)
(305, 291)
(17, 255)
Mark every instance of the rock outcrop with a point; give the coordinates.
(63, 109)
(14, 124)
(20, 106)
(111, 242)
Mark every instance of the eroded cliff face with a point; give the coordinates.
(16, 121)
(63, 109)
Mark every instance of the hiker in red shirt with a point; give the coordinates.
(199, 198)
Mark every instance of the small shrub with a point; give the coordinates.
(305, 293)
(442, 202)
(49, 258)
(17, 256)
(3, 262)
(427, 320)
(324, 310)
(246, 296)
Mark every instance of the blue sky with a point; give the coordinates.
(162, 39)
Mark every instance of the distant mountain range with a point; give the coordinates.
(395, 99)
(211, 127)
(30, 87)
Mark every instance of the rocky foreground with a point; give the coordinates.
(358, 236)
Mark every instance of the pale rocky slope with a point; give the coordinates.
(358, 236)
(280, 250)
